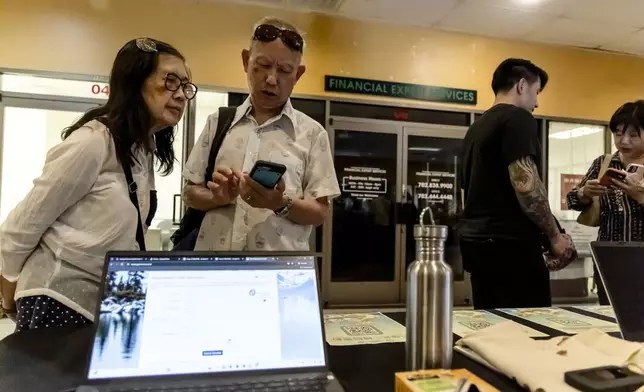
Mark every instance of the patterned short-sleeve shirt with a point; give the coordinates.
(292, 139)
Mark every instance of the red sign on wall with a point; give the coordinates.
(100, 89)
(568, 182)
(401, 115)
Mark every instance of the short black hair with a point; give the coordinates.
(629, 114)
(511, 71)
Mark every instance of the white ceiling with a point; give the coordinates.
(614, 25)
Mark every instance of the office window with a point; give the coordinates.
(28, 134)
(44, 128)
(571, 150)
(169, 187)
(613, 149)
(208, 102)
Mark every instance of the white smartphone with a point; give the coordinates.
(636, 173)
(635, 168)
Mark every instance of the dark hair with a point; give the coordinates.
(511, 71)
(629, 114)
(125, 114)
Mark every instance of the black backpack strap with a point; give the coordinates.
(224, 121)
(184, 237)
(154, 204)
(132, 188)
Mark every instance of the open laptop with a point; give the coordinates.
(621, 267)
(209, 322)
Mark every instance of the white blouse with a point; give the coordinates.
(54, 242)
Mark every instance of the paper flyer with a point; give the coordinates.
(562, 320)
(440, 381)
(350, 329)
(467, 322)
(602, 310)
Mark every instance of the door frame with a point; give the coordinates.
(41, 102)
(361, 292)
(462, 290)
(46, 102)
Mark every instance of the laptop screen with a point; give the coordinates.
(622, 272)
(183, 315)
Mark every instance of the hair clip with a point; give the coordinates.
(146, 45)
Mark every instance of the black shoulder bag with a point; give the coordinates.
(132, 188)
(185, 237)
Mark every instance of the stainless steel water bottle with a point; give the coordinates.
(429, 300)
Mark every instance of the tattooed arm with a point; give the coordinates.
(532, 195)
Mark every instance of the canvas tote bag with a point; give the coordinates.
(590, 216)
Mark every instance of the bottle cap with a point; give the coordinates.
(429, 231)
(434, 231)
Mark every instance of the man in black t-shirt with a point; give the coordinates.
(506, 203)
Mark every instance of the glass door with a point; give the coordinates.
(572, 148)
(431, 179)
(361, 237)
(29, 128)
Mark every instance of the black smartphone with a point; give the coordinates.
(605, 379)
(268, 174)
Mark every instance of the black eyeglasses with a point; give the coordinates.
(269, 33)
(174, 83)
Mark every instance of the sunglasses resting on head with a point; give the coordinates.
(269, 33)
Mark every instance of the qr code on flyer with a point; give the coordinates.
(360, 330)
(476, 325)
(569, 322)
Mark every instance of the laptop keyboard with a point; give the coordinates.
(311, 384)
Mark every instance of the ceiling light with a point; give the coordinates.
(575, 132)
(528, 2)
(428, 149)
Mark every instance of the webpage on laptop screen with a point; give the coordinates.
(165, 317)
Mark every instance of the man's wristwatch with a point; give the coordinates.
(284, 211)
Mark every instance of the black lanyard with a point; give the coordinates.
(132, 188)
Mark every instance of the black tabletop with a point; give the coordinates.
(372, 367)
(54, 360)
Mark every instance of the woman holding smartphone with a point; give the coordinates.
(621, 202)
(96, 191)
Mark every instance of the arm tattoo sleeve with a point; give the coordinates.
(532, 195)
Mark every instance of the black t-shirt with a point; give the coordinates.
(502, 135)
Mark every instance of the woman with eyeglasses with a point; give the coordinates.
(96, 191)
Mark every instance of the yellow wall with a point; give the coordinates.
(82, 36)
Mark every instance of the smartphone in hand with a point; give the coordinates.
(635, 168)
(610, 174)
(267, 174)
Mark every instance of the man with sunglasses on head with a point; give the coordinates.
(241, 214)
